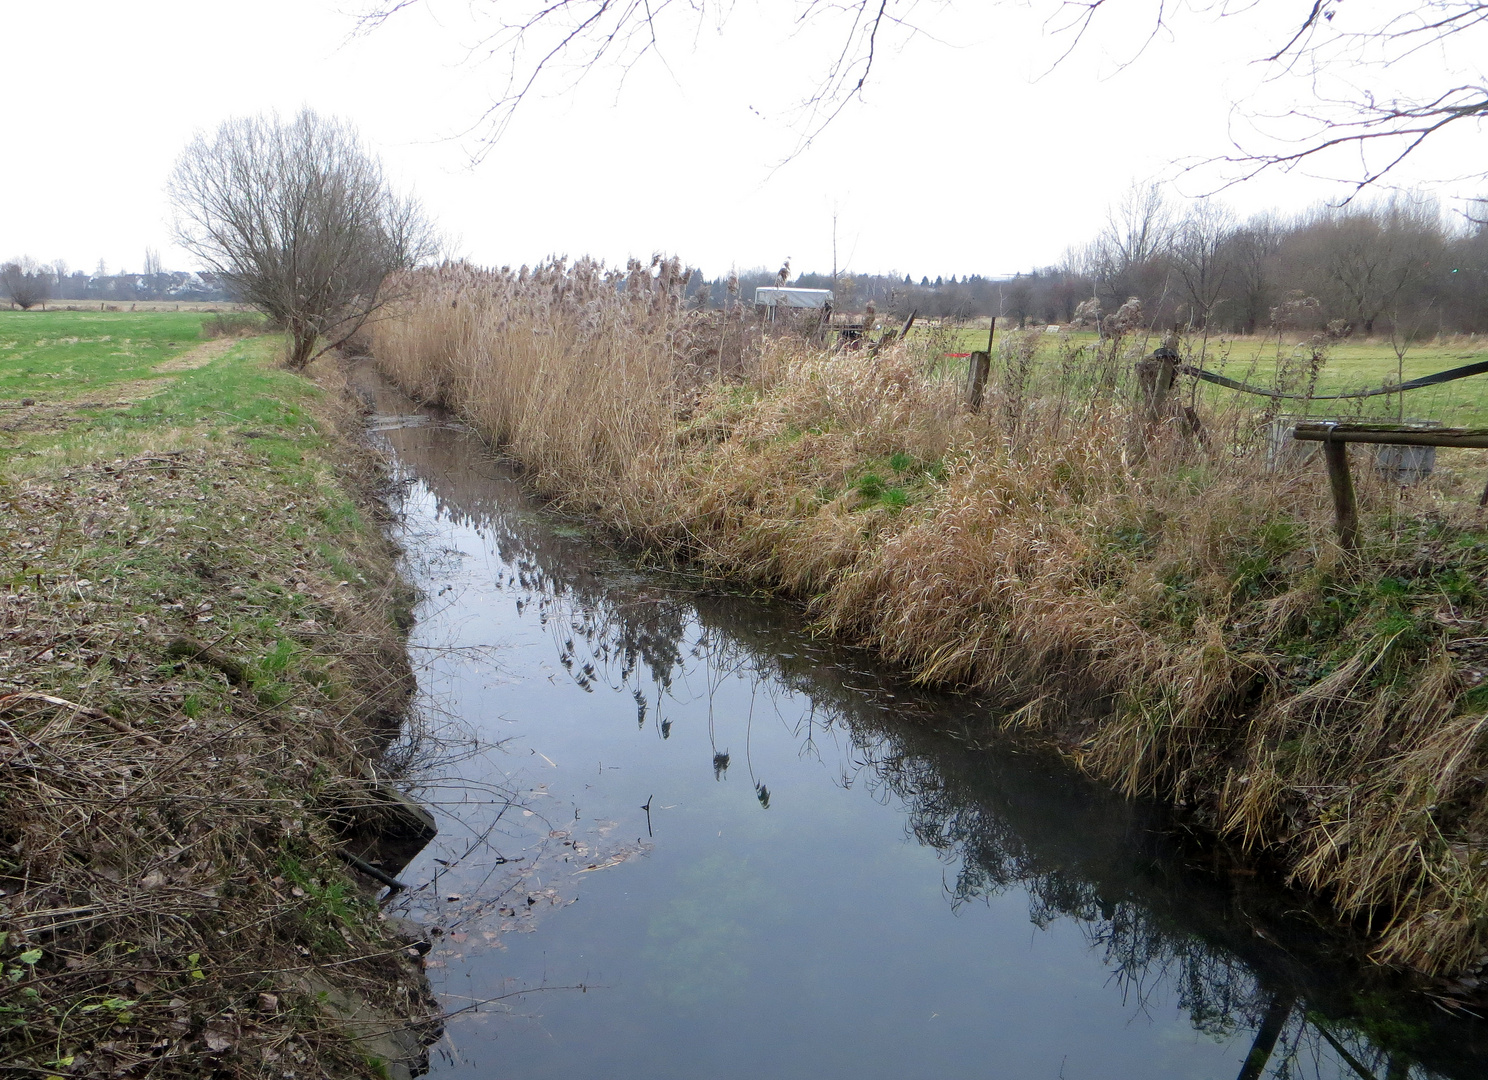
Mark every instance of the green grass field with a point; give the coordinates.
(1351, 364)
(68, 355)
(97, 378)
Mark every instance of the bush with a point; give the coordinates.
(232, 324)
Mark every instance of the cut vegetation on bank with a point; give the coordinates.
(1157, 594)
(200, 663)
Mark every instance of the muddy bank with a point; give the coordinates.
(202, 681)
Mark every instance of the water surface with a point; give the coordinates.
(681, 838)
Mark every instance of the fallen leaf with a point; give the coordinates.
(217, 1041)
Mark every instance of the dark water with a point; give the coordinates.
(837, 876)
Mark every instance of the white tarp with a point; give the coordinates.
(793, 298)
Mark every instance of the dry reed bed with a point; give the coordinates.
(170, 903)
(1170, 610)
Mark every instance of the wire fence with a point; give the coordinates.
(1455, 396)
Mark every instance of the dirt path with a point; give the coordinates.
(56, 415)
(200, 356)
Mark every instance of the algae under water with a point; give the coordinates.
(680, 837)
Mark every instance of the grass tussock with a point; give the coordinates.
(199, 667)
(1150, 590)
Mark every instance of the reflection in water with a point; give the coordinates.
(1250, 965)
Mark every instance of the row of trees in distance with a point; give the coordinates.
(1397, 262)
(25, 283)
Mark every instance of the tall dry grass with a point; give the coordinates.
(579, 371)
(1145, 590)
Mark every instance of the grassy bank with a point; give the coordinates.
(198, 664)
(1149, 594)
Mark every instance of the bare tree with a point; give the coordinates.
(25, 281)
(1376, 133)
(540, 41)
(1199, 257)
(299, 220)
(1252, 261)
(1128, 256)
(1018, 299)
(1370, 257)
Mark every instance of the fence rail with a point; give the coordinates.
(1392, 435)
(1335, 439)
(1450, 375)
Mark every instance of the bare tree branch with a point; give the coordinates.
(533, 39)
(536, 43)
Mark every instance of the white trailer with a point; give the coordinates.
(776, 299)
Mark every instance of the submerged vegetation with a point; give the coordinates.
(1161, 595)
(199, 663)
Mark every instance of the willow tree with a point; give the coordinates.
(300, 221)
(25, 282)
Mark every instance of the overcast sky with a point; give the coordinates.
(963, 157)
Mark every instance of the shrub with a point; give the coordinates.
(232, 324)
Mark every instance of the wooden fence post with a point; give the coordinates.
(1335, 438)
(1278, 1012)
(1155, 377)
(978, 368)
(976, 379)
(1345, 507)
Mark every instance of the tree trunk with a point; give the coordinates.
(301, 346)
(1277, 1014)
